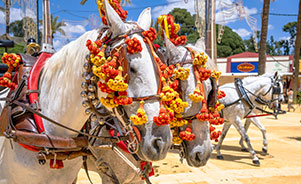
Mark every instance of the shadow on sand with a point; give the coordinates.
(237, 158)
(296, 138)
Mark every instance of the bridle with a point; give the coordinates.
(121, 122)
(275, 88)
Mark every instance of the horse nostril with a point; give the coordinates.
(157, 143)
(198, 157)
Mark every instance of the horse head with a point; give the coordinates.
(197, 151)
(271, 88)
(143, 82)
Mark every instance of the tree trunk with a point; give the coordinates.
(297, 54)
(263, 37)
(7, 12)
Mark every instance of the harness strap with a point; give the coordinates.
(153, 97)
(232, 103)
(242, 93)
(157, 64)
(86, 168)
(110, 139)
(49, 141)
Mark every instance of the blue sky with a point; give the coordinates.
(80, 19)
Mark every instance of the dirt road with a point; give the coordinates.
(282, 164)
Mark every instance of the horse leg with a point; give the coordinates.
(238, 125)
(221, 139)
(257, 123)
(241, 141)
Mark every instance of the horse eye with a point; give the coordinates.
(133, 70)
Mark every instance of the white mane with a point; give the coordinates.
(75, 51)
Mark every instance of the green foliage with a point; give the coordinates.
(57, 26)
(249, 43)
(231, 43)
(290, 28)
(273, 47)
(186, 21)
(16, 49)
(16, 28)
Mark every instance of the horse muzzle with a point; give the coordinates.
(197, 157)
(154, 148)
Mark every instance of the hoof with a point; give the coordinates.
(244, 150)
(220, 157)
(264, 150)
(256, 162)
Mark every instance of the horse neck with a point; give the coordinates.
(60, 87)
(259, 86)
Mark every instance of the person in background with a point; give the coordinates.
(290, 95)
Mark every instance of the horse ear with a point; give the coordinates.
(200, 43)
(114, 21)
(145, 19)
(172, 50)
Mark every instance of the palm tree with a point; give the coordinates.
(57, 26)
(297, 53)
(263, 36)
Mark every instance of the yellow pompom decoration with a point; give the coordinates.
(118, 84)
(200, 59)
(97, 71)
(215, 74)
(167, 93)
(178, 105)
(108, 101)
(177, 140)
(141, 117)
(178, 122)
(98, 60)
(219, 106)
(196, 96)
(181, 73)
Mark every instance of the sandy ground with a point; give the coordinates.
(282, 164)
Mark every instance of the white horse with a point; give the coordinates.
(261, 86)
(197, 151)
(60, 100)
